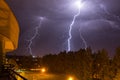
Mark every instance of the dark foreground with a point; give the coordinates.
(43, 76)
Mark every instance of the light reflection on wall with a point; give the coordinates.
(9, 28)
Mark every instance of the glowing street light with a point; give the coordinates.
(43, 70)
(70, 78)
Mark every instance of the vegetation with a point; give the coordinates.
(84, 64)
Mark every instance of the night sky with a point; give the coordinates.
(98, 23)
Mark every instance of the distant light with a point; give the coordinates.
(70, 78)
(43, 70)
(19, 70)
(34, 56)
(35, 69)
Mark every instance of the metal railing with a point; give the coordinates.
(7, 70)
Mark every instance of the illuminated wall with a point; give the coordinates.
(9, 29)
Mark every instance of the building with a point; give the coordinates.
(9, 30)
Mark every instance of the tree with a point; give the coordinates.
(116, 59)
(50, 61)
(116, 62)
(83, 62)
(117, 77)
(101, 65)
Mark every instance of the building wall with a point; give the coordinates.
(9, 28)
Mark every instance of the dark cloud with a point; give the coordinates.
(99, 25)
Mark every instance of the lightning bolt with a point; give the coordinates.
(79, 4)
(84, 41)
(112, 23)
(34, 36)
(70, 29)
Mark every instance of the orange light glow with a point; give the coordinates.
(43, 70)
(70, 78)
